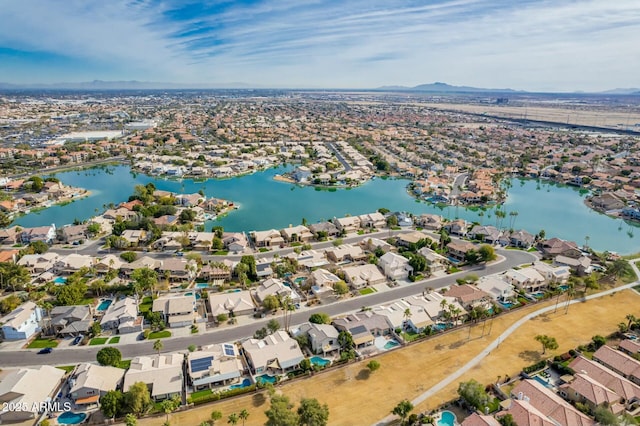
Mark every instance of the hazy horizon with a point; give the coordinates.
(531, 45)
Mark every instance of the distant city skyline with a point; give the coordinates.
(533, 45)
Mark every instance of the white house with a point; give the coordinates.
(161, 373)
(275, 287)
(21, 323)
(361, 276)
(90, 381)
(217, 364)
(322, 337)
(277, 352)
(177, 311)
(395, 266)
(497, 288)
(122, 315)
(27, 388)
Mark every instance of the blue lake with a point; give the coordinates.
(265, 203)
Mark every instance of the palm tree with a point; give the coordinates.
(244, 414)
(215, 416)
(233, 419)
(407, 315)
(512, 218)
(631, 319)
(157, 346)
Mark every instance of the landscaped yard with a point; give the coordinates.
(114, 340)
(367, 290)
(376, 395)
(98, 341)
(145, 305)
(43, 343)
(124, 364)
(159, 334)
(409, 336)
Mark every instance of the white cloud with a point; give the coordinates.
(534, 45)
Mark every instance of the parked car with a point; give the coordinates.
(45, 351)
(77, 340)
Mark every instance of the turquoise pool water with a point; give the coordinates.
(202, 285)
(391, 344)
(104, 305)
(245, 383)
(299, 280)
(71, 418)
(440, 326)
(191, 294)
(266, 378)
(564, 287)
(60, 280)
(538, 294)
(507, 305)
(542, 381)
(316, 360)
(237, 290)
(447, 418)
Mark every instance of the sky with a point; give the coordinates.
(535, 45)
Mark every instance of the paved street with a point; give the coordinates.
(61, 356)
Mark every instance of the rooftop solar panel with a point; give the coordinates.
(201, 364)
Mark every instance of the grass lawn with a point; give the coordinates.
(221, 253)
(114, 340)
(124, 364)
(372, 397)
(98, 341)
(159, 334)
(145, 305)
(410, 336)
(199, 394)
(367, 290)
(67, 368)
(43, 343)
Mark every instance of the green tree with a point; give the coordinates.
(111, 403)
(280, 414)
(392, 221)
(130, 420)
(217, 243)
(486, 253)
(271, 303)
(187, 216)
(128, 256)
(72, 293)
(273, 325)
(109, 356)
(403, 409)
(547, 342)
(345, 340)
(244, 415)
(507, 420)
(5, 220)
(598, 341)
(312, 413)
(169, 406)
(604, 416)
(373, 365)
(137, 398)
(473, 394)
(157, 346)
(9, 303)
(156, 320)
(95, 329)
(14, 275)
(340, 288)
(250, 261)
(36, 183)
(39, 247)
(305, 365)
(320, 318)
(418, 262)
(215, 416)
(144, 279)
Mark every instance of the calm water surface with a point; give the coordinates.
(265, 203)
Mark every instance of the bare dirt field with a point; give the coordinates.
(356, 397)
(614, 119)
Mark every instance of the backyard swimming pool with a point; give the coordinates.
(538, 294)
(71, 418)
(104, 305)
(507, 305)
(202, 285)
(265, 378)
(440, 326)
(191, 294)
(60, 280)
(391, 344)
(542, 381)
(245, 383)
(316, 360)
(447, 418)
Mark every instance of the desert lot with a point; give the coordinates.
(356, 397)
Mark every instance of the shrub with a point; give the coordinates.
(535, 367)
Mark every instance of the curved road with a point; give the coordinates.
(486, 351)
(66, 356)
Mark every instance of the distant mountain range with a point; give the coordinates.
(436, 87)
